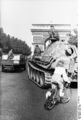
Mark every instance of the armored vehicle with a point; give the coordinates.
(13, 61)
(41, 67)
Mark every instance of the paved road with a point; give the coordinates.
(21, 99)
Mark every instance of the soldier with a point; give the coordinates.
(53, 36)
(10, 54)
(37, 51)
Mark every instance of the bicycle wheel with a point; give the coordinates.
(65, 100)
(51, 101)
(66, 97)
(49, 104)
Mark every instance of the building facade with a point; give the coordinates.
(40, 33)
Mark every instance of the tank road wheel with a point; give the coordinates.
(3, 70)
(41, 80)
(28, 71)
(31, 74)
(37, 77)
(34, 75)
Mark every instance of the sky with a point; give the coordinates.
(17, 16)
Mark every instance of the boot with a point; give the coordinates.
(64, 100)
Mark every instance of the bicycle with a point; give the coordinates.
(54, 98)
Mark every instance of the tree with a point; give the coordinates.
(74, 38)
(7, 43)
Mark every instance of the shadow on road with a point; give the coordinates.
(14, 71)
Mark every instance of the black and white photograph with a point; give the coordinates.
(39, 60)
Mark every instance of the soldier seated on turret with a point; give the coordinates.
(53, 36)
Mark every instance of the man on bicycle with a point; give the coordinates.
(59, 77)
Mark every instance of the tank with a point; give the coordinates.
(12, 61)
(41, 67)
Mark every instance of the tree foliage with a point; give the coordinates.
(7, 43)
(74, 38)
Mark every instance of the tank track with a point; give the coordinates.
(39, 75)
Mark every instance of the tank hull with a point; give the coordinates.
(38, 74)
